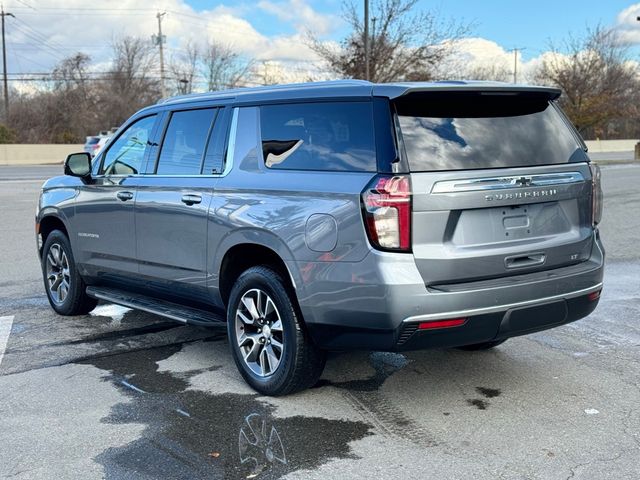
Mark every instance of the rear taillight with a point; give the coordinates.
(387, 212)
(596, 195)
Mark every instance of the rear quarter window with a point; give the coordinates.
(331, 136)
(474, 131)
(185, 141)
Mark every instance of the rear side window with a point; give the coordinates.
(475, 130)
(333, 136)
(185, 141)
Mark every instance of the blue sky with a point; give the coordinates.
(508, 23)
(531, 24)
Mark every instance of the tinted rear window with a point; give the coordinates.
(184, 142)
(471, 131)
(334, 136)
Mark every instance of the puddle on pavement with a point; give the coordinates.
(196, 434)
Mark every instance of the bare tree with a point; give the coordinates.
(72, 72)
(133, 81)
(599, 83)
(497, 72)
(60, 113)
(403, 44)
(184, 69)
(72, 108)
(223, 68)
(77, 101)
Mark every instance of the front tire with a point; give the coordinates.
(65, 288)
(269, 343)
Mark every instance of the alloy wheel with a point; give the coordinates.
(259, 333)
(58, 273)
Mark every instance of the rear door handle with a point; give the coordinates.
(190, 199)
(124, 196)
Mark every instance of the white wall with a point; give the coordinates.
(35, 154)
(601, 146)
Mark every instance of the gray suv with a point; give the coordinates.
(334, 216)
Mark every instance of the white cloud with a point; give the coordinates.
(475, 55)
(628, 25)
(45, 36)
(302, 15)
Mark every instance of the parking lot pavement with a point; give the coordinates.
(124, 394)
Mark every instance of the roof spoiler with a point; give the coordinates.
(394, 91)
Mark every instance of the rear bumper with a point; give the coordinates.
(500, 325)
(385, 311)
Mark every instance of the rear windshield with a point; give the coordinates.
(478, 130)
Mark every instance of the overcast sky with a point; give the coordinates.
(46, 31)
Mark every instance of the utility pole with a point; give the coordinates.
(4, 64)
(515, 62)
(159, 40)
(366, 40)
(372, 45)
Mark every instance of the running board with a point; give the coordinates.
(179, 313)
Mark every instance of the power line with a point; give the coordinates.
(44, 46)
(38, 34)
(92, 9)
(40, 39)
(25, 4)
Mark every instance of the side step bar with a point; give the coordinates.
(179, 313)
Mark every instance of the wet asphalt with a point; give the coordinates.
(121, 394)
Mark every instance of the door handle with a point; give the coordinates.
(190, 199)
(124, 196)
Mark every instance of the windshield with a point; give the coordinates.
(472, 131)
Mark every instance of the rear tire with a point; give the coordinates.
(269, 343)
(65, 287)
(481, 346)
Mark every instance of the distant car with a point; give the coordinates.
(100, 145)
(91, 145)
(334, 216)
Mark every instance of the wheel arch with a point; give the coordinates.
(47, 223)
(246, 249)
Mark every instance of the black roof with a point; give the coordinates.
(351, 88)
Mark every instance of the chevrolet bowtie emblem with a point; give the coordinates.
(523, 181)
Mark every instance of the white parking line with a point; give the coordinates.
(5, 330)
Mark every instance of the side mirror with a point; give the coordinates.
(78, 165)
